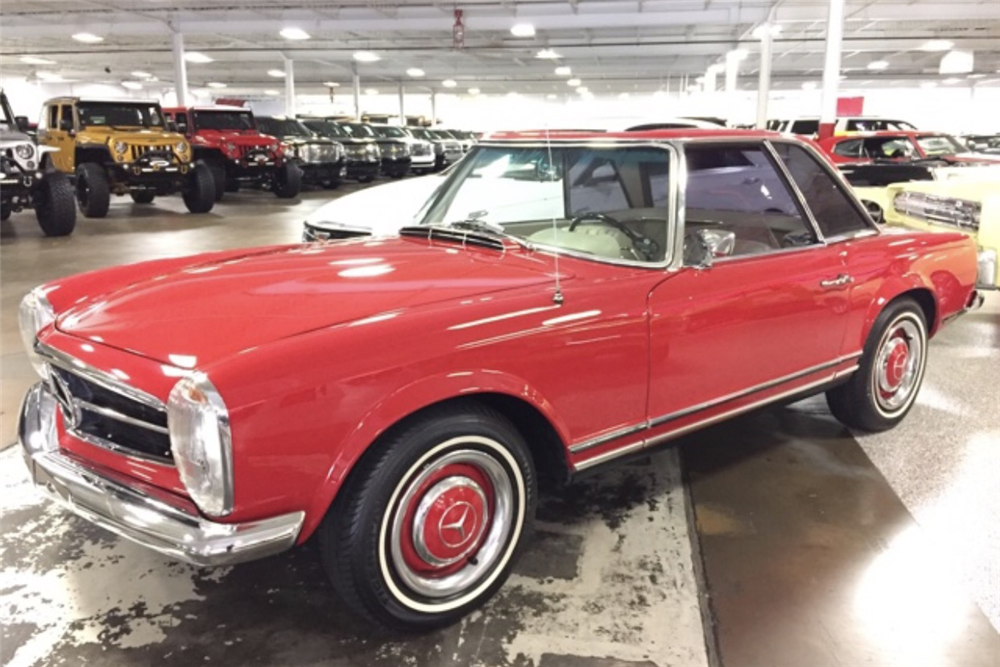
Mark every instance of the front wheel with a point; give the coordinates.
(93, 192)
(883, 389)
(199, 189)
(218, 179)
(431, 521)
(5, 211)
(288, 181)
(54, 205)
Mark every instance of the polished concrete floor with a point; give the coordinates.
(802, 545)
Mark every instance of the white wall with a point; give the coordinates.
(955, 109)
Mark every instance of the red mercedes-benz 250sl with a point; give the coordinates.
(566, 300)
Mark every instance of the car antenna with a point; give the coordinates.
(557, 298)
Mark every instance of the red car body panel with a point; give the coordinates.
(315, 363)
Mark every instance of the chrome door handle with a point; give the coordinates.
(839, 281)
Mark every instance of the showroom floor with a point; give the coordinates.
(807, 546)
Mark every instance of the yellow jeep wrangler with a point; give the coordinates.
(121, 147)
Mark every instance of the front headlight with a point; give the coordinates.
(372, 149)
(25, 151)
(120, 146)
(34, 315)
(181, 147)
(201, 442)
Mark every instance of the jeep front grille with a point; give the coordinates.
(137, 151)
(107, 414)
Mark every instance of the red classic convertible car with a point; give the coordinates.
(567, 300)
(900, 146)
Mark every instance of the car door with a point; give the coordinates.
(767, 317)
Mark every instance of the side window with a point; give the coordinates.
(805, 127)
(66, 117)
(825, 195)
(848, 148)
(736, 194)
(52, 117)
(182, 122)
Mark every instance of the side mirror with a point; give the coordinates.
(66, 125)
(22, 123)
(704, 246)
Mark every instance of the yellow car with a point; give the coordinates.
(121, 147)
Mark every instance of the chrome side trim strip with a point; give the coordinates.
(663, 419)
(97, 376)
(669, 435)
(117, 416)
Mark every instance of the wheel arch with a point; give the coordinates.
(96, 153)
(527, 411)
(914, 289)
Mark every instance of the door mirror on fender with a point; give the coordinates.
(703, 246)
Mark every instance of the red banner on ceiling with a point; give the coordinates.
(850, 106)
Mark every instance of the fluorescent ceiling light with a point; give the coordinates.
(294, 34)
(738, 54)
(216, 84)
(583, 90)
(573, 82)
(551, 96)
(273, 93)
(878, 64)
(929, 84)
(195, 57)
(659, 94)
(523, 30)
(761, 31)
(48, 76)
(937, 45)
(563, 71)
(512, 94)
(415, 72)
(473, 91)
(371, 91)
(132, 85)
(366, 57)
(809, 85)
(87, 38)
(276, 73)
(449, 83)
(331, 84)
(547, 54)
(951, 81)
(142, 75)
(35, 60)
(623, 96)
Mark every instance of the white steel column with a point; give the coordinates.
(357, 92)
(764, 80)
(831, 68)
(402, 111)
(732, 71)
(180, 69)
(289, 87)
(434, 112)
(711, 79)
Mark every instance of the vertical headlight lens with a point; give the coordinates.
(34, 315)
(201, 442)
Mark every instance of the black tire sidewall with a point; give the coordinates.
(218, 179)
(288, 181)
(55, 205)
(94, 177)
(199, 190)
(368, 499)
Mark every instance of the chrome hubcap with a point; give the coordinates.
(897, 366)
(451, 523)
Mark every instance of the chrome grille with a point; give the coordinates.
(101, 412)
(958, 213)
(137, 151)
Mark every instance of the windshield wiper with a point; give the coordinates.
(476, 225)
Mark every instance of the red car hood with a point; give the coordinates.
(238, 138)
(205, 311)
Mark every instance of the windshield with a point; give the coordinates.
(325, 128)
(877, 125)
(940, 145)
(420, 133)
(388, 131)
(888, 148)
(606, 202)
(283, 127)
(223, 120)
(358, 130)
(440, 134)
(119, 114)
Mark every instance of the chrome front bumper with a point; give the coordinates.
(136, 514)
(989, 277)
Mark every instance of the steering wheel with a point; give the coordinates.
(640, 244)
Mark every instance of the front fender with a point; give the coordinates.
(407, 400)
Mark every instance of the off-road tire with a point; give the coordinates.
(142, 196)
(218, 179)
(862, 403)
(361, 532)
(93, 192)
(288, 181)
(5, 211)
(199, 189)
(55, 205)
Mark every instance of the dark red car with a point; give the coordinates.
(565, 301)
(900, 146)
(228, 141)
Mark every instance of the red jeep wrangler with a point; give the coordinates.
(227, 140)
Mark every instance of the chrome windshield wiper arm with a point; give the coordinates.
(476, 225)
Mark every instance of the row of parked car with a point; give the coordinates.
(90, 149)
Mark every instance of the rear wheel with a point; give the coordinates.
(93, 192)
(430, 523)
(891, 370)
(218, 179)
(54, 205)
(199, 189)
(288, 181)
(142, 196)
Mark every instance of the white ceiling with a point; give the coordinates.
(613, 46)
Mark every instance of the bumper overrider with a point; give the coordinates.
(133, 512)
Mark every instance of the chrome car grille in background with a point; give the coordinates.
(423, 149)
(135, 151)
(104, 414)
(959, 213)
(396, 150)
(320, 152)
